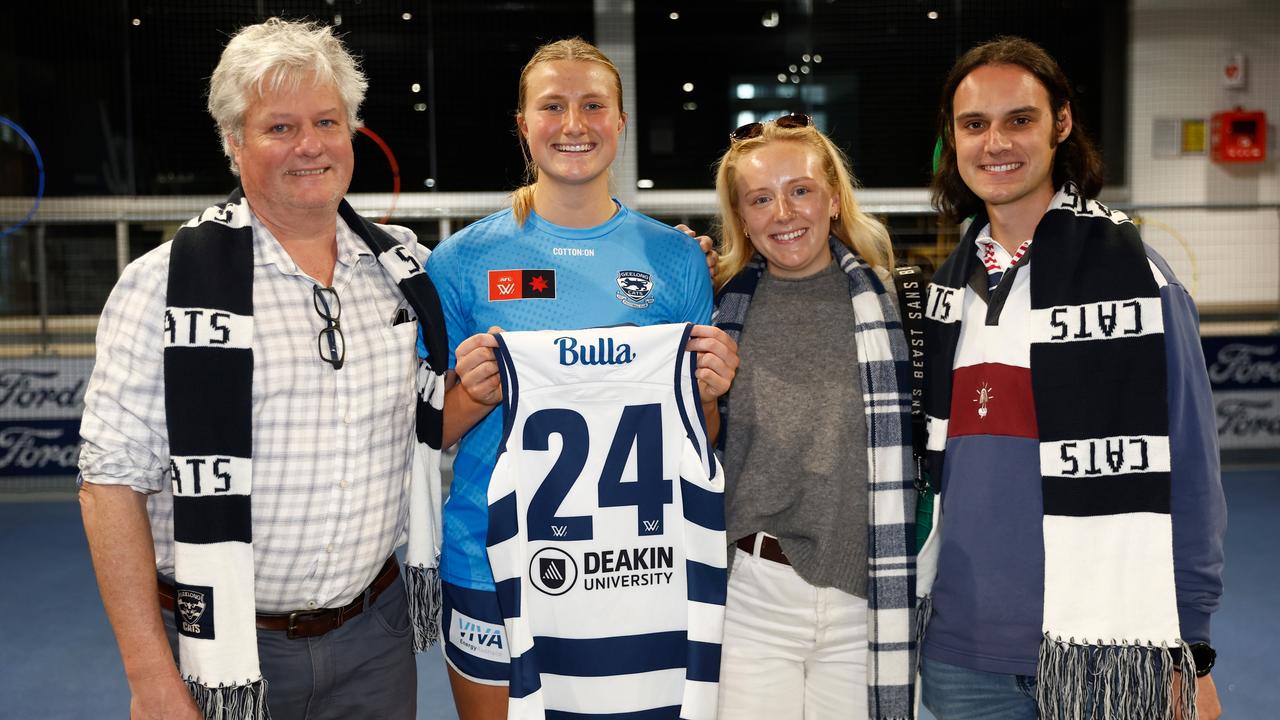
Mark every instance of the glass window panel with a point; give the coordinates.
(117, 103)
(868, 72)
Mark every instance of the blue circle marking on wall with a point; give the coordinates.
(39, 166)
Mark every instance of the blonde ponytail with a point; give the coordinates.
(522, 203)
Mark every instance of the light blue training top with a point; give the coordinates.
(630, 270)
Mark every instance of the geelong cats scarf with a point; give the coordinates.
(1098, 381)
(208, 373)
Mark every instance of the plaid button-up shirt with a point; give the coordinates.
(331, 448)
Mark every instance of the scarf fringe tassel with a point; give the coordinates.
(924, 610)
(1075, 681)
(231, 702)
(423, 587)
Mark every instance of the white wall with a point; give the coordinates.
(1177, 48)
(1176, 53)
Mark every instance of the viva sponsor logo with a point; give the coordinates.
(603, 352)
(479, 635)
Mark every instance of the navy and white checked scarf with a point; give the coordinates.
(886, 395)
(1098, 381)
(208, 374)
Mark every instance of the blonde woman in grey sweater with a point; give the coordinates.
(815, 439)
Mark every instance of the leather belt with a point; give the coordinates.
(770, 549)
(310, 623)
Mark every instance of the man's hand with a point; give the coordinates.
(477, 367)
(1207, 705)
(706, 243)
(162, 698)
(119, 535)
(717, 360)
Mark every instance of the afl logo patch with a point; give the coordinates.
(522, 285)
(636, 288)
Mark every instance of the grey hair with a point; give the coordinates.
(279, 54)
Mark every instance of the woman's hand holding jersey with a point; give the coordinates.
(717, 360)
(474, 387)
(477, 367)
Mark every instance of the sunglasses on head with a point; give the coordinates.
(753, 129)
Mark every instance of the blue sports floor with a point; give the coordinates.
(58, 658)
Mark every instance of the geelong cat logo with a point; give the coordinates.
(195, 610)
(636, 288)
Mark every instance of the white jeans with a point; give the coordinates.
(791, 651)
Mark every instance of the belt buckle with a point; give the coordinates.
(292, 625)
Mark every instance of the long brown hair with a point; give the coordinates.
(574, 48)
(1076, 159)
(860, 232)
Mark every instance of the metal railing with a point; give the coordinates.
(44, 325)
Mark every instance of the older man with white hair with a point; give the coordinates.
(257, 422)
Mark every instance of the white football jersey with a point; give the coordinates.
(606, 525)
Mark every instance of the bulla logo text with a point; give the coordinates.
(603, 352)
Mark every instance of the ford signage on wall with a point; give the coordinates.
(41, 400)
(1245, 374)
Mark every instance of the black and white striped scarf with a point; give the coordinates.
(883, 368)
(1098, 381)
(208, 379)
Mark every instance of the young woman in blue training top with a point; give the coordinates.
(566, 255)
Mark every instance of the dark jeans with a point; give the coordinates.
(364, 669)
(956, 693)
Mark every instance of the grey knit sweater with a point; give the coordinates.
(795, 453)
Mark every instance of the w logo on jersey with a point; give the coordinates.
(652, 526)
(636, 287)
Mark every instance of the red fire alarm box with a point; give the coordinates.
(1238, 136)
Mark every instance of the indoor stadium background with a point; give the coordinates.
(106, 148)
